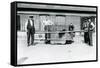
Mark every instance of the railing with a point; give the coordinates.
(43, 32)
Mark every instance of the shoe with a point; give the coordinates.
(31, 43)
(34, 44)
(90, 44)
(28, 45)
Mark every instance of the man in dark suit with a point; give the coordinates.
(71, 28)
(30, 30)
(90, 31)
(85, 27)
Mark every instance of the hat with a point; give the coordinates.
(31, 17)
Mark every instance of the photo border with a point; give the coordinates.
(14, 33)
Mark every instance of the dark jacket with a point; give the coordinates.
(30, 28)
(71, 27)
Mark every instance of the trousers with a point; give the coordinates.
(30, 36)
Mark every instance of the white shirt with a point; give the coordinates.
(48, 22)
(92, 25)
(31, 22)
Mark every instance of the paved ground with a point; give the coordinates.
(42, 53)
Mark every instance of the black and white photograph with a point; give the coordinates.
(53, 33)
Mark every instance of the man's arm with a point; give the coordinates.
(73, 27)
(93, 26)
(26, 25)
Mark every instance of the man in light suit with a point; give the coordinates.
(47, 28)
(30, 29)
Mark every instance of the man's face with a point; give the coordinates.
(31, 18)
(46, 19)
(89, 20)
(71, 24)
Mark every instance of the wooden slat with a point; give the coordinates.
(58, 32)
(50, 39)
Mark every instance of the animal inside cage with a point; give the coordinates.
(57, 34)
